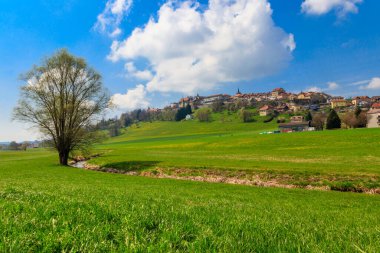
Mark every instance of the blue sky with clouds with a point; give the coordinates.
(153, 52)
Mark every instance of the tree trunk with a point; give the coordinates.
(64, 158)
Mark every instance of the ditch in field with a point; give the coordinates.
(369, 184)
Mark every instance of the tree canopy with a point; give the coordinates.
(62, 97)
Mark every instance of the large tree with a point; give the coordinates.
(62, 97)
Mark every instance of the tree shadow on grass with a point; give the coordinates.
(132, 165)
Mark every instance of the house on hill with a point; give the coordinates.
(375, 106)
(336, 103)
(294, 107)
(208, 101)
(375, 99)
(282, 108)
(297, 119)
(266, 110)
(277, 92)
(183, 102)
(373, 118)
(360, 100)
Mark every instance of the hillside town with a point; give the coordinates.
(279, 101)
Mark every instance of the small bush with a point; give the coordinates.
(203, 114)
(245, 116)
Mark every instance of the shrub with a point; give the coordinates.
(217, 106)
(203, 114)
(245, 115)
(318, 122)
(355, 120)
(269, 119)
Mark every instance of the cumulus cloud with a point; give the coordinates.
(374, 84)
(145, 75)
(320, 7)
(134, 99)
(331, 86)
(109, 20)
(314, 89)
(191, 50)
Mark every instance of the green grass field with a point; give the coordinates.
(344, 157)
(45, 207)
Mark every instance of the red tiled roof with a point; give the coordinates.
(373, 111)
(376, 106)
(265, 108)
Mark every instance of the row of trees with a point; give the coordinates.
(15, 146)
(356, 119)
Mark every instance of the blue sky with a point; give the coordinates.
(336, 48)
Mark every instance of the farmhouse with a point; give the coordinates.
(294, 127)
(336, 103)
(373, 118)
(297, 124)
(266, 110)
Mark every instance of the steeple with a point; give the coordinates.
(238, 92)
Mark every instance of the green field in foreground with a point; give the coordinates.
(45, 207)
(344, 156)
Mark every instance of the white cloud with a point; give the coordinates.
(374, 84)
(191, 50)
(320, 7)
(144, 75)
(110, 19)
(314, 89)
(134, 99)
(332, 86)
(361, 82)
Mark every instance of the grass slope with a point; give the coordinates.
(345, 156)
(45, 207)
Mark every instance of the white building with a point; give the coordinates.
(373, 118)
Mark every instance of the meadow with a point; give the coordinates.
(340, 159)
(48, 208)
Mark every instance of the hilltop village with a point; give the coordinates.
(279, 100)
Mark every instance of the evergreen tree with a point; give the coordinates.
(309, 117)
(333, 120)
(357, 111)
(181, 114)
(188, 110)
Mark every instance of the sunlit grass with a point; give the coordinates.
(45, 207)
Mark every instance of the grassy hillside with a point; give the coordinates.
(45, 207)
(348, 157)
